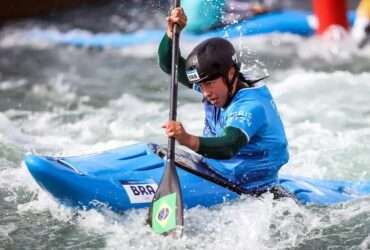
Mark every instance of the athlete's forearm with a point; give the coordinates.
(164, 57)
(223, 147)
(191, 142)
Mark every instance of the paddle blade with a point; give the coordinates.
(164, 214)
(166, 211)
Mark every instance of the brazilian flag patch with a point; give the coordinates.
(164, 214)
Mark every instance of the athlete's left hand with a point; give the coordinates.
(176, 130)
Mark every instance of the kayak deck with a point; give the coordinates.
(127, 177)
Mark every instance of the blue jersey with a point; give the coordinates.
(253, 111)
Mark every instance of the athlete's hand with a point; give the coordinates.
(259, 9)
(178, 16)
(176, 130)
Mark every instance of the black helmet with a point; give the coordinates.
(210, 59)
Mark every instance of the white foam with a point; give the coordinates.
(323, 113)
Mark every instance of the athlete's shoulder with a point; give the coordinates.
(247, 97)
(247, 108)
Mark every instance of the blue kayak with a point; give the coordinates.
(127, 178)
(286, 21)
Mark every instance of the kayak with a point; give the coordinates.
(127, 178)
(296, 22)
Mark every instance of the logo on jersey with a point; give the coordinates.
(243, 117)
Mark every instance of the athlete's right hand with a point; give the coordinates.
(178, 16)
(176, 130)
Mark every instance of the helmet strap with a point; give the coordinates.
(230, 86)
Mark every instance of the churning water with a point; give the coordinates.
(63, 100)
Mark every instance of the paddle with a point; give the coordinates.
(166, 210)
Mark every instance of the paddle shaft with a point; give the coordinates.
(173, 88)
(167, 211)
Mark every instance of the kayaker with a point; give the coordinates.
(243, 137)
(206, 15)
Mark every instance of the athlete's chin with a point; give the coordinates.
(219, 103)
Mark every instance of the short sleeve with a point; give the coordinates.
(248, 117)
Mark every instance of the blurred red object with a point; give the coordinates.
(330, 12)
